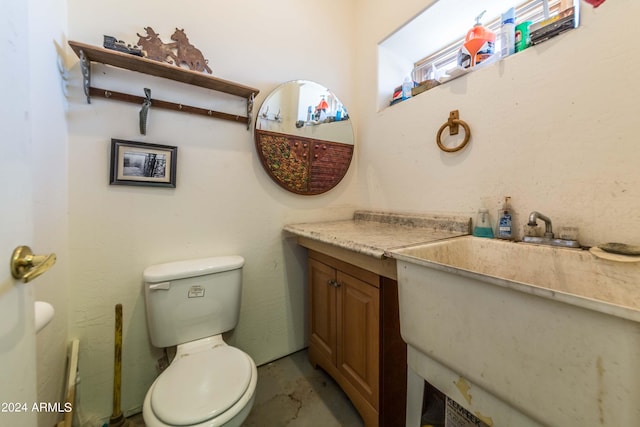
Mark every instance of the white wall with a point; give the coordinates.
(554, 127)
(224, 202)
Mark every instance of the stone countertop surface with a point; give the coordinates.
(375, 233)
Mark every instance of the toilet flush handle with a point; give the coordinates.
(163, 286)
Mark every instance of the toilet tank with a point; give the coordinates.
(189, 300)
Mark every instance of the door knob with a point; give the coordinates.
(26, 266)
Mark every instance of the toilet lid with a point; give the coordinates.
(200, 386)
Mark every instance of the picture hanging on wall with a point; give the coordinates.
(139, 163)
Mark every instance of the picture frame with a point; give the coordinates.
(141, 163)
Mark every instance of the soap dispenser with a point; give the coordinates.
(504, 230)
(482, 227)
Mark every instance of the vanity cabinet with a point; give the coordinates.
(354, 312)
(355, 336)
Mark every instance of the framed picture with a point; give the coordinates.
(139, 163)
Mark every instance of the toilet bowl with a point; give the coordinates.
(190, 304)
(209, 383)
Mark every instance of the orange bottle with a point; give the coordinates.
(479, 45)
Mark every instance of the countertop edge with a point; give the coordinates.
(335, 241)
(375, 241)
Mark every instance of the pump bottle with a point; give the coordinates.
(504, 230)
(479, 45)
(407, 84)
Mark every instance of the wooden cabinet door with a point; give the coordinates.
(358, 338)
(322, 313)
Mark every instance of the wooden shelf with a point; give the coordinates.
(164, 70)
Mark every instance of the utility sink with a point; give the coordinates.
(522, 334)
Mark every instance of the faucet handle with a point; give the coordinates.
(568, 233)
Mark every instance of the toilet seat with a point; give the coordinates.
(209, 383)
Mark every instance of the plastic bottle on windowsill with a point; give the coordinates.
(407, 85)
(508, 33)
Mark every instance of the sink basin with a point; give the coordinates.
(44, 313)
(523, 334)
(571, 275)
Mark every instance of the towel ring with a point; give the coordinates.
(453, 124)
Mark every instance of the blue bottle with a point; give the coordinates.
(505, 221)
(407, 85)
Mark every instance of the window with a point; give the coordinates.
(434, 36)
(445, 59)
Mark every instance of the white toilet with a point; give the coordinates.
(209, 383)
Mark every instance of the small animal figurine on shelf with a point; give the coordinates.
(156, 49)
(188, 54)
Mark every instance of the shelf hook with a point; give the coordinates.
(146, 104)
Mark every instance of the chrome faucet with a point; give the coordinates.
(548, 238)
(548, 228)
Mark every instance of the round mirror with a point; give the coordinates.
(304, 137)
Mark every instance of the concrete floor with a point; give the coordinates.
(291, 393)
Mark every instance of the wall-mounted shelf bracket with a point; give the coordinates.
(88, 54)
(250, 110)
(85, 67)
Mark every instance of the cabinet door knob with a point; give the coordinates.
(334, 283)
